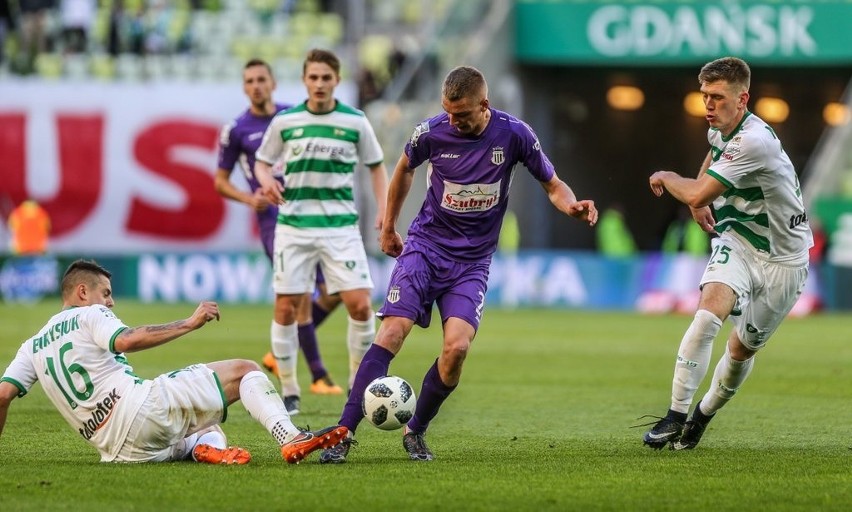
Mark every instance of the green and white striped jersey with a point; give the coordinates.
(320, 153)
(763, 201)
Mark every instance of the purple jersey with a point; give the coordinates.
(468, 183)
(238, 142)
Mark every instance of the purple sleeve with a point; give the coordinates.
(417, 147)
(532, 156)
(229, 147)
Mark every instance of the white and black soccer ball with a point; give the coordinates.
(389, 402)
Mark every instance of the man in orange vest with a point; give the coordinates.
(29, 225)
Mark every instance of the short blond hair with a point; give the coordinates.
(464, 82)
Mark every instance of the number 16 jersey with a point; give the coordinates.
(90, 384)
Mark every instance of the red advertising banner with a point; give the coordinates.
(124, 168)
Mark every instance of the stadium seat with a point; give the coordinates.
(244, 47)
(76, 67)
(157, 67)
(330, 26)
(48, 66)
(102, 67)
(183, 67)
(129, 68)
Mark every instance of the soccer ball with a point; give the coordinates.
(389, 402)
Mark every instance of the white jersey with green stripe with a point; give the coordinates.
(763, 201)
(74, 357)
(320, 153)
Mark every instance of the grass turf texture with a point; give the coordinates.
(540, 422)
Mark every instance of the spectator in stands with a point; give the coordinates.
(156, 27)
(77, 18)
(117, 27)
(7, 25)
(34, 36)
(613, 235)
(685, 235)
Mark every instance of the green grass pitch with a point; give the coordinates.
(541, 421)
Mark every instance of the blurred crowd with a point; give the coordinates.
(29, 28)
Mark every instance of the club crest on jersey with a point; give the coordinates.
(497, 156)
(393, 294)
(419, 130)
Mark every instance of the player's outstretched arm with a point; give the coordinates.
(8, 392)
(563, 198)
(135, 339)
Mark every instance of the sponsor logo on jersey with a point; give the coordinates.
(449, 155)
(475, 197)
(419, 130)
(101, 414)
(335, 152)
(733, 148)
(497, 156)
(393, 294)
(255, 136)
(795, 220)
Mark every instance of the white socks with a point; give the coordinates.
(263, 404)
(727, 379)
(693, 358)
(285, 348)
(214, 438)
(359, 336)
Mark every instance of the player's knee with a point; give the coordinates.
(456, 349)
(360, 310)
(737, 349)
(245, 366)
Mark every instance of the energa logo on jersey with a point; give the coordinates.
(475, 197)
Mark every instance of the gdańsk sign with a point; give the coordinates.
(681, 32)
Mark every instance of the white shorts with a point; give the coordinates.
(180, 403)
(766, 291)
(342, 258)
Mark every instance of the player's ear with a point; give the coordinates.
(744, 99)
(484, 104)
(82, 292)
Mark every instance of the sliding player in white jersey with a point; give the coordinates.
(79, 358)
(759, 262)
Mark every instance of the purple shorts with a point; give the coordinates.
(422, 277)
